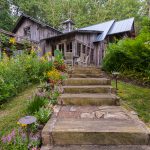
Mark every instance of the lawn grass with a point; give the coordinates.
(11, 111)
(135, 98)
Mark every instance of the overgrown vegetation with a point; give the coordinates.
(131, 57)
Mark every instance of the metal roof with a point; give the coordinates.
(121, 26)
(111, 27)
(105, 26)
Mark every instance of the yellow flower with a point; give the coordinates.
(18, 123)
(12, 40)
(23, 125)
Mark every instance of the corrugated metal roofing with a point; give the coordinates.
(104, 27)
(121, 26)
(111, 27)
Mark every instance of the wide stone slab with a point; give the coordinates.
(88, 99)
(87, 81)
(93, 125)
(97, 147)
(88, 89)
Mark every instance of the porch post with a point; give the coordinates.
(57, 47)
(65, 48)
(73, 48)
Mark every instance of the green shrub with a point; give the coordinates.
(36, 103)
(130, 55)
(18, 72)
(43, 115)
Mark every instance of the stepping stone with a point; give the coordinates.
(87, 81)
(88, 89)
(116, 126)
(88, 99)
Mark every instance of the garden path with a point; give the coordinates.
(89, 116)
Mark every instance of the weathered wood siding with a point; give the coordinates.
(38, 32)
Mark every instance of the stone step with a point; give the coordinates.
(96, 147)
(88, 89)
(87, 81)
(91, 75)
(91, 71)
(94, 125)
(88, 99)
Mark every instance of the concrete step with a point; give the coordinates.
(88, 99)
(96, 147)
(94, 125)
(87, 81)
(91, 75)
(88, 89)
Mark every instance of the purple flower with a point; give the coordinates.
(9, 138)
(4, 139)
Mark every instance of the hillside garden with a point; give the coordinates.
(17, 74)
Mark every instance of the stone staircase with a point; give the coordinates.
(89, 117)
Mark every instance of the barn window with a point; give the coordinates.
(69, 47)
(27, 32)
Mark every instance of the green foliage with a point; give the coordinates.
(130, 54)
(135, 98)
(6, 19)
(53, 97)
(83, 12)
(18, 72)
(43, 115)
(36, 103)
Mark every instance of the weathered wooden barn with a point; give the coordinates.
(88, 43)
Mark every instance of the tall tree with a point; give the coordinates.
(6, 18)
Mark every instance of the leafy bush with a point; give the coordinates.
(18, 72)
(36, 103)
(43, 115)
(130, 55)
